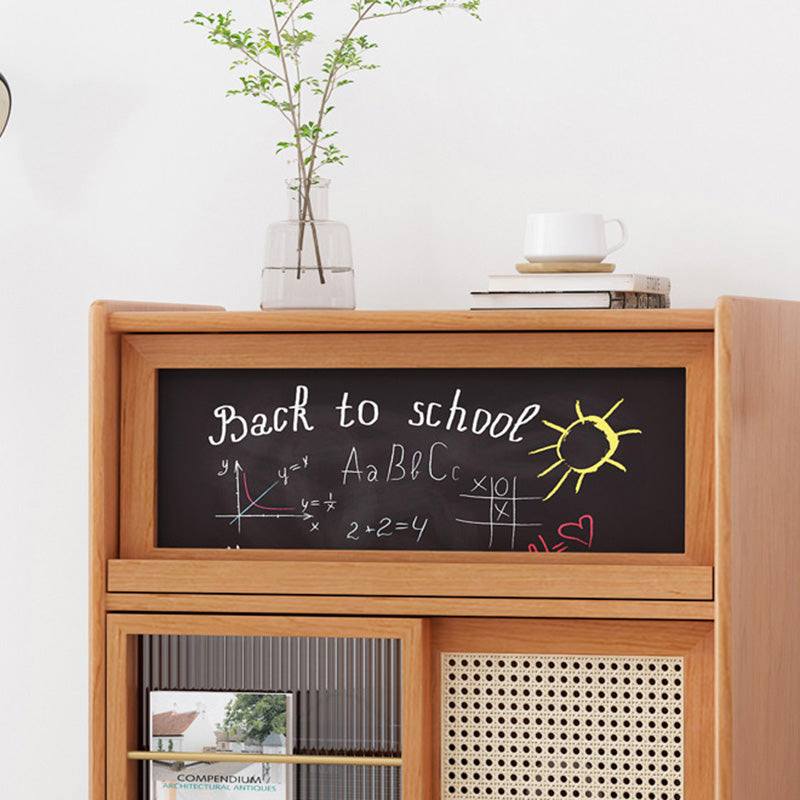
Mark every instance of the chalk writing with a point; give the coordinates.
(401, 464)
(235, 427)
(328, 503)
(570, 534)
(386, 526)
(486, 459)
(457, 417)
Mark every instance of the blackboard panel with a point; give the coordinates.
(427, 459)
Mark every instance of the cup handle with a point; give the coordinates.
(624, 235)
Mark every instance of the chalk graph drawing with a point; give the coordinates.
(249, 506)
(584, 446)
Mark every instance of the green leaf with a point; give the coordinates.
(267, 80)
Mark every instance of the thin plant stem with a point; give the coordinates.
(301, 166)
(289, 18)
(315, 238)
(306, 211)
(330, 82)
(410, 10)
(304, 208)
(326, 94)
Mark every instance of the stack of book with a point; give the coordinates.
(573, 290)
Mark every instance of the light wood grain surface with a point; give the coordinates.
(261, 758)
(446, 320)
(104, 378)
(413, 579)
(758, 549)
(411, 606)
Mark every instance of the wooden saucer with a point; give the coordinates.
(565, 266)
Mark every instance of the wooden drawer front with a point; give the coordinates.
(443, 579)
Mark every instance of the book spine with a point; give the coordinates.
(649, 284)
(563, 300)
(656, 285)
(639, 300)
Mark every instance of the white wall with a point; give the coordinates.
(125, 173)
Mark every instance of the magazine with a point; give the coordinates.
(196, 722)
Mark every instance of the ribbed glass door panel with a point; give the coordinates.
(346, 698)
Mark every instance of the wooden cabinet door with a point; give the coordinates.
(601, 709)
(125, 745)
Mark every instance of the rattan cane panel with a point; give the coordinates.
(562, 726)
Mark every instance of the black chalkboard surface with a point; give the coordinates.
(540, 460)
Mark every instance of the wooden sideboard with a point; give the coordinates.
(722, 612)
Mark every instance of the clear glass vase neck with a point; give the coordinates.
(309, 260)
(317, 200)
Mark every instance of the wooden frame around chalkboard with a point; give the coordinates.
(144, 355)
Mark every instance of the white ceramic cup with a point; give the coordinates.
(569, 236)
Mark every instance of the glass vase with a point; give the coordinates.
(309, 262)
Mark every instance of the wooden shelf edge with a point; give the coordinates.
(411, 606)
(126, 321)
(313, 578)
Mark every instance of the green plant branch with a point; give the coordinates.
(306, 210)
(290, 15)
(312, 144)
(411, 9)
(331, 77)
(232, 44)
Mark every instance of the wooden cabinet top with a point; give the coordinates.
(135, 318)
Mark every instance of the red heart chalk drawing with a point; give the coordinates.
(585, 530)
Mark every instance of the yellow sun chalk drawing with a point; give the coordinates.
(587, 433)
